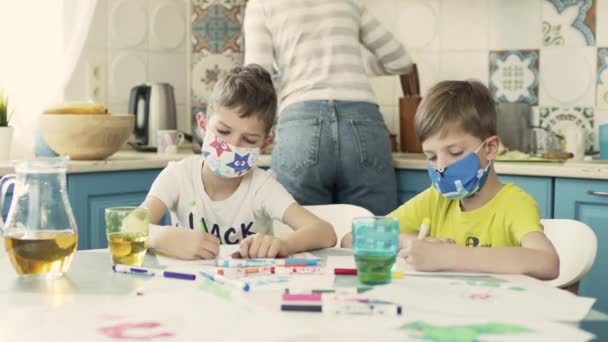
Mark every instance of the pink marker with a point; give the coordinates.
(297, 270)
(302, 297)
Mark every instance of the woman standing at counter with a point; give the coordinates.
(332, 145)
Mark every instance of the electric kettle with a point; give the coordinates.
(153, 105)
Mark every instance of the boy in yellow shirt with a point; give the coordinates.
(467, 204)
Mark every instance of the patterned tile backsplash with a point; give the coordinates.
(514, 76)
(217, 46)
(558, 69)
(559, 119)
(568, 22)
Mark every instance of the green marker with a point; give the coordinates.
(202, 226)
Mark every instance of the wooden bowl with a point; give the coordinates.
(86, 136)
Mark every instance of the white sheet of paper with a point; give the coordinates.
(174, 317)
(490, 297)
(415, 326)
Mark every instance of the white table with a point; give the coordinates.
(91, 281)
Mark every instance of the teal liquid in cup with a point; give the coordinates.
(375, 241)
(603, 140)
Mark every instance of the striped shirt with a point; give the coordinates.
(318, 48)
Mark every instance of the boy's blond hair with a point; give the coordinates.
(467, 104)
(250, 91)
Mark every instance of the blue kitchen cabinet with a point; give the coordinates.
(586, 200)
(91, 193)
(412, 182)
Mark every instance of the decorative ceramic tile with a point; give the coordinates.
(559, 119)
(568, 77)
(216, 46)
(569, 22)
(216, 26)
(602, 78)
(514, 76)
(207, 70)
(464, 25)
(506, 36)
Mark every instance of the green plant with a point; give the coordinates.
(4, 114)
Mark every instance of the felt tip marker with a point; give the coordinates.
(346, 308)
(263, 270)
(152, 272)
(424, 228)
(339, 290)
(225, 280)
(265, 262)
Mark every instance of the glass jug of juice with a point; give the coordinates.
(40, 234)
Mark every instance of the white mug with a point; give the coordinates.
(167, 141)
(575, 141)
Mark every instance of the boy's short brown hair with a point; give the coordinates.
(467, 104)
(249, 90)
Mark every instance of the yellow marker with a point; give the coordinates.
(397, 275)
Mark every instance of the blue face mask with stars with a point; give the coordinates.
(227, 160)
(461, 179)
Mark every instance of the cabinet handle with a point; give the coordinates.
(597, 193)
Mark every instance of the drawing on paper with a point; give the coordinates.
(141, 331)
(461, 333)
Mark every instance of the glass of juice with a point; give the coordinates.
(127, 232)
(375, 241)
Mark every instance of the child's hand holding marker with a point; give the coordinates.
(187, 244)
(421, 252)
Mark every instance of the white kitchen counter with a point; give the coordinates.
(130, 160)
(123, 161)
(597, 169)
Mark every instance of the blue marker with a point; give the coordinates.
(224, 280)
(152, 272)
(265, 262)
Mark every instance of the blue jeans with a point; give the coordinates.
(335, 152)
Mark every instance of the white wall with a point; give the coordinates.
(132, 42)
(30, 63)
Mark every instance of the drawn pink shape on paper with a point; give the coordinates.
(482, 296)
(132, 331)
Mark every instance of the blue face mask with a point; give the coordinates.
(461, 179)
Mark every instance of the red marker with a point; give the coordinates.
(345, 271)
(353, 271)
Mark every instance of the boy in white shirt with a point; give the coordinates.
(220, 197)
